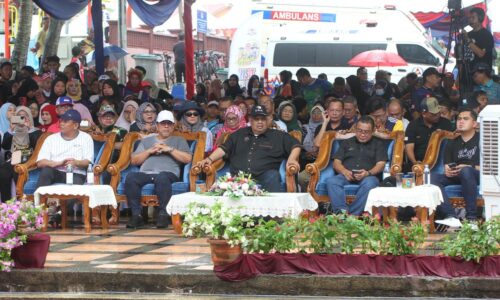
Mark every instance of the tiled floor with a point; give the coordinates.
(147, 250)
(120, 249)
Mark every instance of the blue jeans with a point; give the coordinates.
(335, 186)
(468, 178)
(163, 189)
(270, 181)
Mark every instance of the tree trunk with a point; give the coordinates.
(52, 40)
(20, 53)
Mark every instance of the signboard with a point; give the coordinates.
(297, 16)
(201, 24)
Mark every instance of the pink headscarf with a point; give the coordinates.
(234, 109)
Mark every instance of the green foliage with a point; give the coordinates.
(474, 241)
(397, 239)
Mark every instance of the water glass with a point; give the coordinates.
(399, 180)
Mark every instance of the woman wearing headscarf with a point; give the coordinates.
(134, 86)
(18, 142)
(233, 88)
(216, 90)
(311, 151)
(200, 97)
(74, 91)
(58, 89)
(6, 112)
(145, 119)
(190, 119)
(253, 88)
(127, 117)
(243, 107)
(288, 115)
(233, 120)
(48, 116)
(111, 90)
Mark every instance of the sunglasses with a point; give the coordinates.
(150, 111)
(166, 123)
(192, 114)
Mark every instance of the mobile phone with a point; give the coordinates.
(17, 119)
(452, 165)
(468, 28)
(355, 171)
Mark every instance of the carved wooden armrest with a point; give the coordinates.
(291, 171)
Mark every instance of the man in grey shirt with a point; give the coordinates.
(161, 158)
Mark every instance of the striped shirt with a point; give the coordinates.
(56, 148)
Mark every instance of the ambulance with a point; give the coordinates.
(324, 39)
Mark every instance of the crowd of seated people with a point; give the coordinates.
(246, 126)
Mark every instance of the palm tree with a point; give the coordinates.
(20, 53)
(52, 40)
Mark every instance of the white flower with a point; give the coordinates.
(245, 187)
(223, 185)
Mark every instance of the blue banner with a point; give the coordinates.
(154, 14)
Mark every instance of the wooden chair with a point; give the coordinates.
(322, 168)
(434, 158)
(29, 172)
(122, 167)
(220, 168)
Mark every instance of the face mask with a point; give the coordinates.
(379, 92)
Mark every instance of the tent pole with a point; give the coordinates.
(6, 28)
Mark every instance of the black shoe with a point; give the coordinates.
(135, 222)
(162, 221)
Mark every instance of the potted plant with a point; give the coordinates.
(224, 227)
(20, 245)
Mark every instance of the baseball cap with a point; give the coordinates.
(430, 71)
(72, 115)
(103, 77)
(213, 102)
(106, 109)
(165, 115)
(430, 104)
(481, 67)
(64, 100)
(258, 110)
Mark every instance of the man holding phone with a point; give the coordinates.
(461, 159)
(358, 161)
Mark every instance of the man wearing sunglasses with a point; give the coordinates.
(160, 158)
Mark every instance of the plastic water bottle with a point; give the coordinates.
(387, 171)
(427, 175)
(90, 175)
(69, 174)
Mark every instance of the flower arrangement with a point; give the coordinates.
(216, 222)
(236, 187)
(18, 219)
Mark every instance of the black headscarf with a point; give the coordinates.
(233, 91)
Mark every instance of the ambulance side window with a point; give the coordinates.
(416, 54)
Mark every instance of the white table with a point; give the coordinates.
(424, 197)
(273, 205)
(90, 195)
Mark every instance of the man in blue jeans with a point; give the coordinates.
(358, 161)
(161, 157)
(461, 166)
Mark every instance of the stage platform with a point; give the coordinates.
(156, 261)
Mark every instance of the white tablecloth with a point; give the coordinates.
(273, 205)
(98, 194)
(428, 196)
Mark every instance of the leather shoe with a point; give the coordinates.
(162, 221)
(135, 222)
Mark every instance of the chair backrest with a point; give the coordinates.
(434, 155)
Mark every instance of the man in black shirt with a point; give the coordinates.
(332, 120)
(420, 130)
(358, 161)
(258, 150)
(432, 80)
(179, 66)
(479, 42)
(463, 155)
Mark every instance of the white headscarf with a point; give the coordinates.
(122, 122)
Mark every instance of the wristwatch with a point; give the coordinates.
(170, 149)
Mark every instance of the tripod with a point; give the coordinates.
(464, 71)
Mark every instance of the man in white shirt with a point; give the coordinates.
(68, 147)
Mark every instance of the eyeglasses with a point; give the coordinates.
(191, 114)
(150, 112)
(233, 119)
(166, 123)
(365, 132)
(128, 112)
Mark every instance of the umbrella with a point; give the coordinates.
(114, 53)
(377, 58)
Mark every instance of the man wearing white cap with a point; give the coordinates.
(160, 158)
